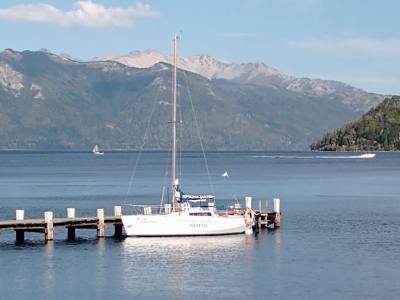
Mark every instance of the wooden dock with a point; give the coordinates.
(263, 218)
(48, 224)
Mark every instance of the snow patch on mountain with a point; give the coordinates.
(204, 65)
(137, 59)
(11, 80)
(37, 91)
(315, 87)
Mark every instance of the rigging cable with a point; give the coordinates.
(198, 133)
(132, 177)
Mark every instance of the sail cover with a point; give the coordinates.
(192, 198)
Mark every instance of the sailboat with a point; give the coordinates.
(96, 150)
(187, 215)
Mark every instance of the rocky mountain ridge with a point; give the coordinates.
(253, 73)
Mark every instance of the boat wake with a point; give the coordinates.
(361, 156)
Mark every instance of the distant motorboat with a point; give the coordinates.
(367, 155)
(96, 150)
(225, 174)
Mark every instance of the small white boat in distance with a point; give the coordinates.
(225, 174)
(367, 155)
(96, 150)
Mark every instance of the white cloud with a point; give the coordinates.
(353, 45)
(84, 14)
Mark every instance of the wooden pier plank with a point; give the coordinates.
(57, 222)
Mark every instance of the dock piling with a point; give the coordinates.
(100, 224)
(117, 227)
(19, 214)
(71, 230)
(277, 205)
(49, 230)
(247, 202)
(19, 234)
(277, 211)
(70, 213)
(117, 211)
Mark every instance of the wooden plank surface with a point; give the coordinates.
(39, 223)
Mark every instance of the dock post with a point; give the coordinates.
(117, 227)
(100, 223)
(71, 230)
(19, 234)
(257, 223)
(247, 201)
(117, 211)
(277, 211)
(49, 231)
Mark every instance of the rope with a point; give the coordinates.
(132, 177)
(198, 133)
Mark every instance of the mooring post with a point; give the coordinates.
(100, 223)
(247, 201)
(19, 234)
(19, 214)
(49, 231)
(257, 223)
(277, 211)
(117, 227)
(71, 230)
(117, 211)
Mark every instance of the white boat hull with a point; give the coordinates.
(175, 224)
(368, 155)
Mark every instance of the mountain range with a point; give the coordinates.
(254, 73)
(50, 101)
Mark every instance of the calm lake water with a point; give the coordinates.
(340, 234)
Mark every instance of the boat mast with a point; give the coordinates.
(173, 122)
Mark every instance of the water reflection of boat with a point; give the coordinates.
(189, 245)
(183, 268)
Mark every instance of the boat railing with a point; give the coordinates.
(135, 209)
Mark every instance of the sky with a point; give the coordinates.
(353, 41)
